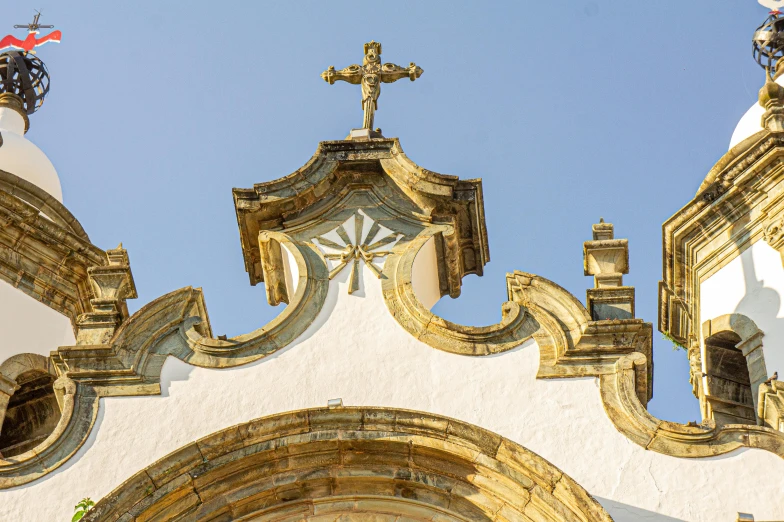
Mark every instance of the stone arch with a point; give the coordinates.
(734, 368)
(29, 409)
(351, 463)
(21, 363)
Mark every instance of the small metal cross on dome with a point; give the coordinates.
(31, 41)
(35, 26)
(370, 75)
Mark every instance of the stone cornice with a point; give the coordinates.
(43, 201)
(702, 237)
(314, 189)
(44, 251)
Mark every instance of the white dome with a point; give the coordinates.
(751, 122)
(22, 158)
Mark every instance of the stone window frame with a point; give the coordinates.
(750, 345)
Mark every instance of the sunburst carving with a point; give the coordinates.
(343, 248)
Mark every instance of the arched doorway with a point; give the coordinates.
(351, 464)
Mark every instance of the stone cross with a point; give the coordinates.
(370, 75)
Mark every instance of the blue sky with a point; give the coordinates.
(568, 111)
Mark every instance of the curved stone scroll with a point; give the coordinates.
(618, 353)
(515, 327)
(306, 303)
(670, 438)
(175, 324)
(351, 461)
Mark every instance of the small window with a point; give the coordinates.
(31, 415)
(728, 387)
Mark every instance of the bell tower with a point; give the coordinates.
(723, 288)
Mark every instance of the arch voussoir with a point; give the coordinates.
(351, 463)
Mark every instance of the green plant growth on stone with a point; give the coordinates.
(675, 344)
(82, 508)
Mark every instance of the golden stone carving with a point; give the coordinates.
(351, 463)
(373, 178)
(370, 75)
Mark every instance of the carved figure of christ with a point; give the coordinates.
(370, 75)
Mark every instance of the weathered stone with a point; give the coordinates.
(345, 476)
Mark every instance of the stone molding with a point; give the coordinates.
(43, 201)
(130, 363)
(618, 353)
(78, 412)
(621, 402)
(740, 202)
(342, 179)
(49, 257)
(347, 460)
(515, 327)
(410, 191)
(573, 345)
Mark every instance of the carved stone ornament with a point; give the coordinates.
(774, 234)
(770, 407)
(370, 75)
(357, 247)
(282, 224)
(739, 203)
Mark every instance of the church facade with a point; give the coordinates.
(357, 402)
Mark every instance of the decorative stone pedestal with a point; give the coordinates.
(607, 259)
(364, 134)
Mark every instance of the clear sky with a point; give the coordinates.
(568, 111)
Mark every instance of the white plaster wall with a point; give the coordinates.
(29, 326)
(356, 351)
(752, 284)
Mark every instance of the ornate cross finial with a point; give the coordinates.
(370, 75)
(31, 42)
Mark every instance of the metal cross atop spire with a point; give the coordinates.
(35, 26)
(31, 41)
(370, 75)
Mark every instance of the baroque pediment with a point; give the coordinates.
(374, 175)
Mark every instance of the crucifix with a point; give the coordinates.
(370, 75)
